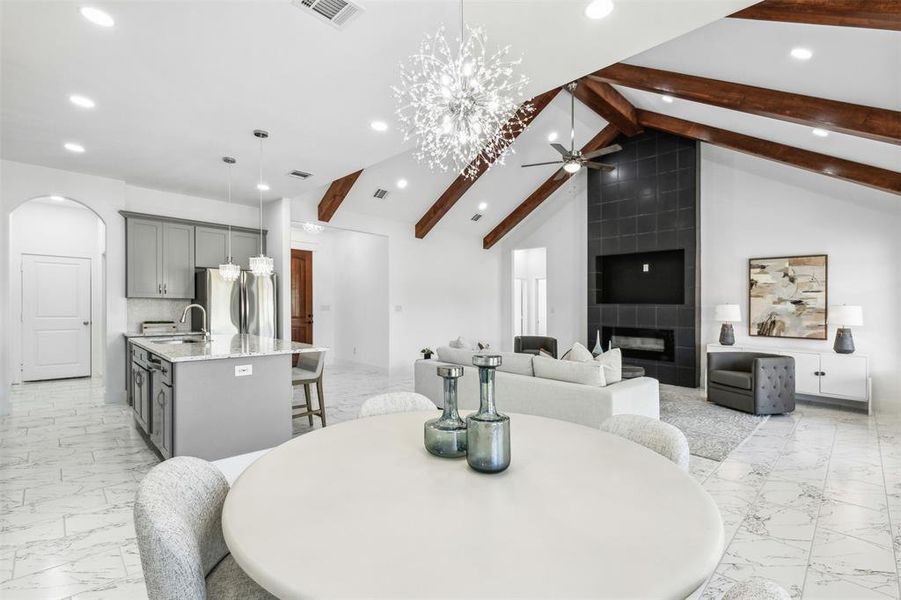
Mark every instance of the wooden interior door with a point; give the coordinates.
(302, 296)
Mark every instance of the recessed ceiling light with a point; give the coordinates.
(379, 126)
(801, 53)
(97, 16)
(819, 132)
(73, 147)
(552, 136)
(57, 198)
(667, 99)
(598, 9)
(483, 205)
(401, 183)
(82, 101)
(263, 187)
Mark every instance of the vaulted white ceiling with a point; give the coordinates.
(180, 84)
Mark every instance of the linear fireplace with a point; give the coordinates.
(635, 342)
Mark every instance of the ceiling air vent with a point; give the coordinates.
(335, 12)
(380, 193)
(475, 217)
(299, 174)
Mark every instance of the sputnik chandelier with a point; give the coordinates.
(461, 107)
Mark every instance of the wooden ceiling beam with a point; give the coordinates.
(462, 184)
(865, 121)
(335, 195)
(869, 14)
(870, 176)
(603, 99)
(544, 191)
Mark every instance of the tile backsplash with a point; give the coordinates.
(155, 309)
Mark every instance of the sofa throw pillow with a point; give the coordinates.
(461, 343)
(543, 352)
(585, 373)
(519, 364)
(578, 353)
(612, 362)
(455, 356)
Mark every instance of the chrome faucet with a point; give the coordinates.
(184, 315)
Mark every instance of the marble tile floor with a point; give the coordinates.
(811, 500)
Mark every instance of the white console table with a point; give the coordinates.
(828, 375)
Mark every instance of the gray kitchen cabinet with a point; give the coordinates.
(210, 245)
(161, 434)
(160, 259)
(144, 248)
(178, 260)
(141, 406)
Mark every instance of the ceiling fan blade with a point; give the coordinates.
(560, 175)
(603, 151)
(599, 166)
(561, 149)
(552, 162)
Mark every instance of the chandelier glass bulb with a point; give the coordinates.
(462, 108)
(229, 271)
(572, 166)
(261, 265)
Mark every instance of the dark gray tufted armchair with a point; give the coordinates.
(762, 384)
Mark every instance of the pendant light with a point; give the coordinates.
(261, 265)
(229, 271)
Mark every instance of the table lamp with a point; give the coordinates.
(727, 314)
(845, 316)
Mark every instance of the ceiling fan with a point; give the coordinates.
(572, 159)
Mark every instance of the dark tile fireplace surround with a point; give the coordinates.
(649, 203)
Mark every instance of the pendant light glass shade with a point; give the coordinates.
(261, 265)
(229, 271)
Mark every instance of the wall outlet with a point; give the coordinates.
(243, 370)
(398, 308)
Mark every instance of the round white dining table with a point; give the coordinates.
(361, 509)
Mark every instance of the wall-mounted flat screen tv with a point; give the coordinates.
(641, 278)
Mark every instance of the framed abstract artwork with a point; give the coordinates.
(787, 297)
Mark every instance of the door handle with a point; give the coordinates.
(85, 322)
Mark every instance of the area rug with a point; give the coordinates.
(713, 431)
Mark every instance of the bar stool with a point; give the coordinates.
(307, 372)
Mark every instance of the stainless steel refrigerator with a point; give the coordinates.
(246, 305)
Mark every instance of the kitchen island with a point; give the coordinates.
(213, 398)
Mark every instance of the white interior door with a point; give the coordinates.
(56, 317)
(541, 306)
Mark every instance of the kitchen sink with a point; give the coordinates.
(179, 341)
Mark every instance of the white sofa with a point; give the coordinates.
(522, 392)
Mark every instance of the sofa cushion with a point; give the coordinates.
(456, 356)
(519, 364)
(612, 361)
(461, 343)
(586, 373)
(578, 353)
(736, 379)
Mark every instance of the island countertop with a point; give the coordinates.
(222, 346)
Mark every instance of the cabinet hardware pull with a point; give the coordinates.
(159, 398)
(159, 288)
(165, 289)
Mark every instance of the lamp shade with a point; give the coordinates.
(846, 316)
(727, 313)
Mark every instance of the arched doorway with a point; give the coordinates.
(57, 290)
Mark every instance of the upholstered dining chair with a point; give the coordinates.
(309, 372)
(395, 402)
(663, 438)
(178, 521)
(756, 588)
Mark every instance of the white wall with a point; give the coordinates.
(559, 225)
(157, 202)
(439, 288)
(56, 229)
(277, 220)
(751, 207)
